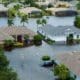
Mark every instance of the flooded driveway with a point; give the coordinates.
(27, 63)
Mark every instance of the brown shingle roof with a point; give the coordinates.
(5, 36)
(17, 31)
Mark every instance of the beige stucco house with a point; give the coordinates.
(15, 33)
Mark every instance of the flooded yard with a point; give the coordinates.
(27, 61)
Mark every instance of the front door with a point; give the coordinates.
(19, 38)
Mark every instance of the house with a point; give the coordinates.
(16, 33)
(60, 12)
(59, 33)
(31, 11)
(62, 4)
(3, 10)
(49, 1)
(46, 2)
(54, 10)
(66, 13)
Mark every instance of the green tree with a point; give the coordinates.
(12, 13)
(3, 60)
(62, 72)
(10, 22)
(17, 7)
(38, 39)
(78, 5)
(11, 16)
(38, 23)
(41, 22)
(77, 22)
(24, 19)
(6, 73)
(44, 22)
(31, 2)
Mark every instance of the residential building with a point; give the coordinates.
(15, 33)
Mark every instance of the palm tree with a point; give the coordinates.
(11, 16)
(12, 13)
(44, 22)
(38, 23)
(41, 22)
(24, 19)
(10, 22)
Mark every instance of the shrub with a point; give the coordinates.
(49, 41)
(18, 44)
(46, 58)
(3, 60)
(37, 37)
(8, 45)
(8, 42)
(38, 40)
(26, 37)
(49, 12)
(70, 39)
(62, 72)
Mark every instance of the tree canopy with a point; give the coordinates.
(6, 73)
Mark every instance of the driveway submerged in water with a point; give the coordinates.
(27, 63)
